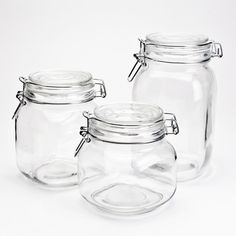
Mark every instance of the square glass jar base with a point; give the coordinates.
(55, 174)
(127, 200)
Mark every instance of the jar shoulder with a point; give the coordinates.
(186, 70)
(37, 110)
(158, 149)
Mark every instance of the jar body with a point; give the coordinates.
(127, 179)
(189, 91)
(46, 137)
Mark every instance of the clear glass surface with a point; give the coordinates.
(127, 179)
(47, 123)
(125, 165)
(46, 137)
(188, 90)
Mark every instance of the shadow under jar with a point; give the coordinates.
(46, 124)
(173, 72)
(126, 166)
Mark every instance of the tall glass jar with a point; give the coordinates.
(127, 167)
(46, 124)
(173, 71)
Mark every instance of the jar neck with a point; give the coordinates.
(36, 94)
(179, 55)
(172, 65)
(129, 134)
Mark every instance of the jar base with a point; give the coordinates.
(55, 174)
(126, 199)
(188, 168)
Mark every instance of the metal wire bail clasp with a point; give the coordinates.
(84, 133)
(20, 95)
(171, 124)
(140, 57)
(102, 89)
(217, 50)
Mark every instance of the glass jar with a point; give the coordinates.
(46, 124)
(173, 71)
(127, 167)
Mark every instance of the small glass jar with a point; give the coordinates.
(127, 167)
(46, 124)
(173, 72)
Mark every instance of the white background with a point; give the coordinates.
(100, 37)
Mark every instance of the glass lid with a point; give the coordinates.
(177, 39)
(132, 114)
(62, 87)
(127, 123)
(60, 78)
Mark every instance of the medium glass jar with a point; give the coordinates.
(127, 167)
(173, 72)
(46, 124)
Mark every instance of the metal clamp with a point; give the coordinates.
(102, 89)
(20, 95)
(140, 57)
(171, 124)
(84, 133)
(217, 50)
(86, 138)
